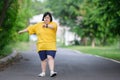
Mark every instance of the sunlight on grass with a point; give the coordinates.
(21, 46)
(109, 52)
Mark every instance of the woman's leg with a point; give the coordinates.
(43, 57)
(50, 57)
(43, 65)
(50, 62)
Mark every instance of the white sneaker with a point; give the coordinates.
(41, 75)
(53, 74)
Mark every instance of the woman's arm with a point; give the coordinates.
(50, 26)
(22, 31)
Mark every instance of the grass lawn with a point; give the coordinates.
(108, 52)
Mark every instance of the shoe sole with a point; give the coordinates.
(41, 76)
(54, 75)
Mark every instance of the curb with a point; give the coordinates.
(8, 59)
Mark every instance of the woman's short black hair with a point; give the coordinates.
(45, 14)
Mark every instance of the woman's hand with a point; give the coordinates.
(19, 32)
(22, 31)
(47, 26)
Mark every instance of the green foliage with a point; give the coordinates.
(16, 18)
(39, 7)
(67, 11)
(22, 20)
(6, 50)
(7, 25)
(101, 19)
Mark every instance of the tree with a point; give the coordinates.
(100, 18)
(67, 12)
(6, 4)
(9, 15)
(14, 15)
(103, 16)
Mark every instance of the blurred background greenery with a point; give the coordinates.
(96, 22)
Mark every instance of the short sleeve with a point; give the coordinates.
(31, 29)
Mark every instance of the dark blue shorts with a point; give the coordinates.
(43, 54)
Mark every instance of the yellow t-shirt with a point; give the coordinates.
(46, 36)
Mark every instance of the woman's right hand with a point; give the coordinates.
(19, 32)
(22, 31)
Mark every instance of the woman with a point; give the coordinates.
(46, 44)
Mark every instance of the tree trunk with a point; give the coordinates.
(93, 42)
(118, 42)
(4, 9)
(83, 41)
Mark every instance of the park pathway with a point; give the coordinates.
(69, 64)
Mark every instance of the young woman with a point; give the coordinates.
(46, 44)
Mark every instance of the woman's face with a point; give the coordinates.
(47, 19)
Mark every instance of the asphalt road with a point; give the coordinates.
(69, 64)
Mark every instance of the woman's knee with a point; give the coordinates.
(50, 57)
(44, 61)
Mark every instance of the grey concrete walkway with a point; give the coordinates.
(69, 65)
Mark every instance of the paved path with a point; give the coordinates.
(70, 65)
